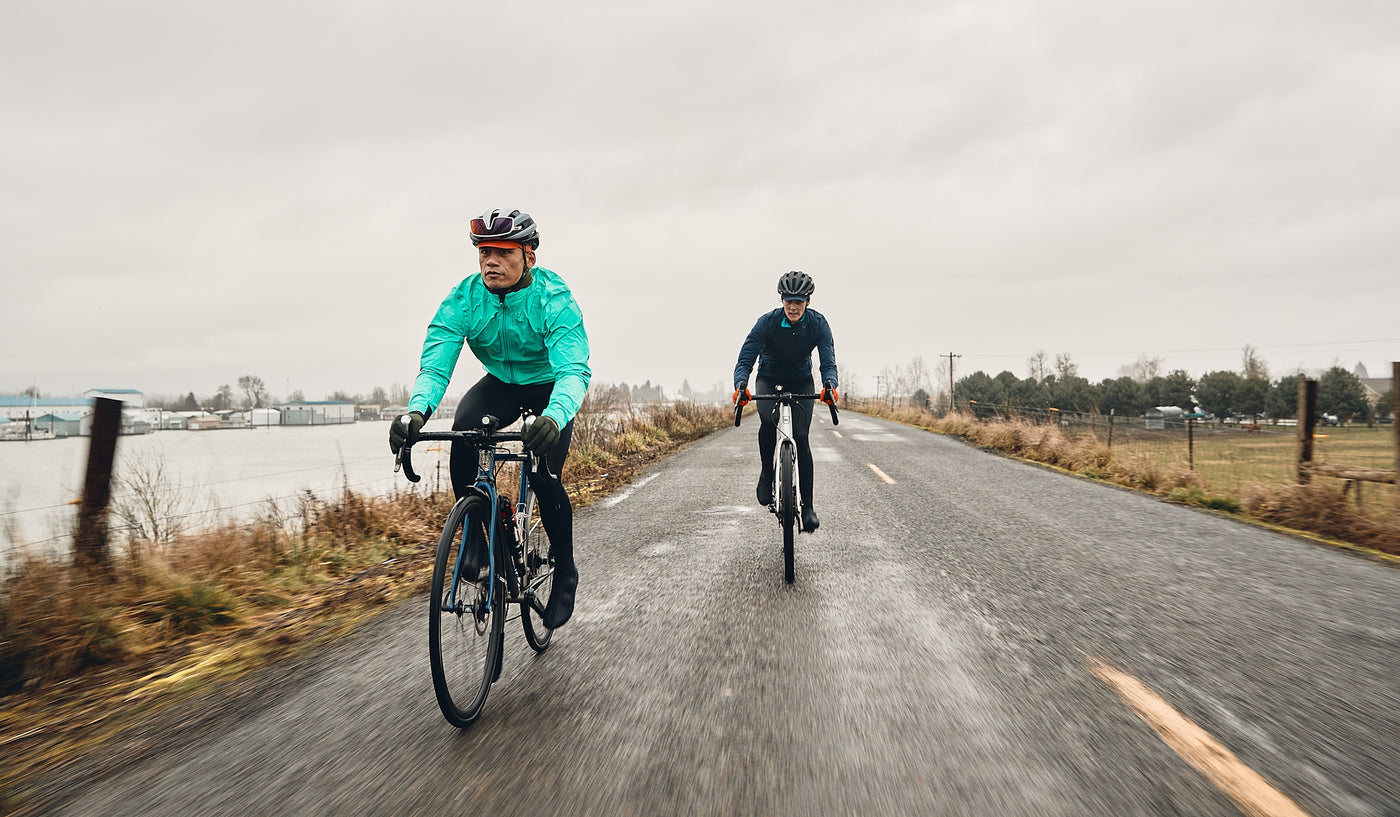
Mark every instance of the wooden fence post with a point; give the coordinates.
(1191, 443)
(1307, 417)
(90, 544)
(1394, 419)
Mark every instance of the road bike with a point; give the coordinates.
(787, 493)
(492, 554)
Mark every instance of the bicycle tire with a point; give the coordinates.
(538, 578)
(464, 643)
(787, 485)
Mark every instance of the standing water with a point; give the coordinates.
(209, 476)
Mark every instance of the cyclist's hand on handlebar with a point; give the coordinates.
(830, 395)
(540, 433)
(405, 428)
(742, 396)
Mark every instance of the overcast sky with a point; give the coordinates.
(194, 191)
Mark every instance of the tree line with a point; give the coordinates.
(1249, 393)
(252, 393)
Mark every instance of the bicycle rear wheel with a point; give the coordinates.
(787, 485)
(464, 636)
(539, 578)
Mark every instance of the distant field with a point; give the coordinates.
(1230, 458)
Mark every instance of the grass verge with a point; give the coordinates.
(83, 658)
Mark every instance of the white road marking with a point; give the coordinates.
(724, 510)
(837, 433)
(880, 474)
(613, 500)
(1250, 792)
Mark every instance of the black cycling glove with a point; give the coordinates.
(404, 429)
(540, 433)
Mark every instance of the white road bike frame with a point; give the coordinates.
(784, 426)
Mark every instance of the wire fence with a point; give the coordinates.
(1224, 457)
(157, 508)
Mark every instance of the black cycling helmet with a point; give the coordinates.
(501, 226)
(796, 284)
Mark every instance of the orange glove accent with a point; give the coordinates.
(742, 396)
(830, 396)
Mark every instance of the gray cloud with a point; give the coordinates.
(282, 189)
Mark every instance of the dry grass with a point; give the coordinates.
(1319, 508)
(183, 607)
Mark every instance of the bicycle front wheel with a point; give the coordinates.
(787, 485)
(538, 580)
(465, 633)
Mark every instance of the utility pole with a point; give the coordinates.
(950, 357)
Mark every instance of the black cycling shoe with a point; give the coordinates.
(561, 599)
(810, 522)
(765, 488)
(475, 564)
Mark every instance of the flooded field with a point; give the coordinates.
(209, 475)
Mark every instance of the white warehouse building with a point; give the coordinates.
(317, 413)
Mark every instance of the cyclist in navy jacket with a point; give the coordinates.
(781, 343)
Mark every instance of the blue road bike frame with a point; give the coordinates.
(468, 606)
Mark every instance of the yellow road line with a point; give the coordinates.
(837, 433)
(880, 474)
(1250, 792)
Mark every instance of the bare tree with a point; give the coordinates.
(885, 383)
(848, 378)
(919, 374)
(1143, 370)
(1252, 366)
(150, 501)
(1065, 368)
(254, 391)
(1037, 366)
(940, 380)
(223, 398)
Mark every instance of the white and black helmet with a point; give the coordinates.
(796, 284)
(501, 225)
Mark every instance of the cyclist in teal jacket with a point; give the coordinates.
(524, 326)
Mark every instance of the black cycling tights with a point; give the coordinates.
(503, 401)
(801, 423)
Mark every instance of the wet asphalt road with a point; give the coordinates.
(930, 659)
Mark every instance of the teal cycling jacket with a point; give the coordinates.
(534, 335)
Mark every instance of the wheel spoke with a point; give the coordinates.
(464, 636)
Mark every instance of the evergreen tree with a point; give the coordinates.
(1172, 389)
(1218, 393)
(1341, 393)
(1282, 400)
(1122, 396)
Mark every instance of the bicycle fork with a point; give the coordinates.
(785, 441)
